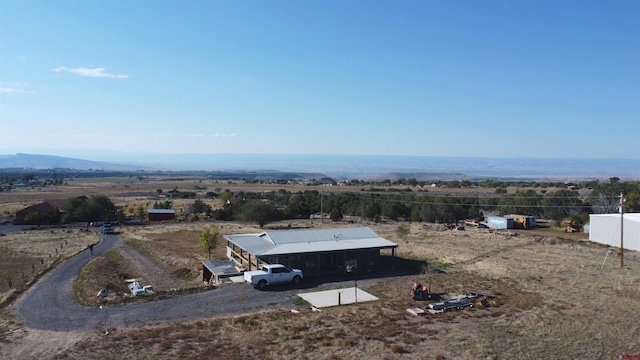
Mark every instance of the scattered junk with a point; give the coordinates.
(421, 292)
(136, 289)
(102, 293)
(416, 311)
(455, 302)
(475, 223)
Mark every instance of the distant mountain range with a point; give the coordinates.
(351, 166)
(32, 161)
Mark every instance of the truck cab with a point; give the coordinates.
(272, 274)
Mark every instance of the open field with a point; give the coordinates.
(26, 255)
(556, 297)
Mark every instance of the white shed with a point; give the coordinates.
(605, 229)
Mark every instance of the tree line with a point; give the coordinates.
(556, 205)
(399, 205)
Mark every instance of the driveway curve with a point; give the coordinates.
(48, 305)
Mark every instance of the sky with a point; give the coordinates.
(540, 79)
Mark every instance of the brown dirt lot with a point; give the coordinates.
(556, 297)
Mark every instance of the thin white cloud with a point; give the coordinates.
(6, 90)
(87, 72)
(225, 135)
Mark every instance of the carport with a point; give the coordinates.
(213, 271)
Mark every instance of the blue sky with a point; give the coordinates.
(417, 78)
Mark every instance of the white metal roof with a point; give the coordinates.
(635, 217)
(161, 211)
(280, 242)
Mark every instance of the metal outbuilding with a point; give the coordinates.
(314, 251)
(605, 229)
(161, 214)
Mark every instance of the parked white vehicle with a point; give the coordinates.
(272, 274)
(107, 229)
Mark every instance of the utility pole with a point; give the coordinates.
(321, 213)
(621, 230)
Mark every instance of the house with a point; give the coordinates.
(605, 229)
(43, 209)
(49, 210)
(315, 251)
(161, 214)
(59, 203)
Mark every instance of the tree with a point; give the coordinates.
(200, 206)
(336, 214)
(98, 207)
(632, 202)
(209, 238)
(167, 204)
(259, 212)
(403, 230)
(141, 212)
(26, 177)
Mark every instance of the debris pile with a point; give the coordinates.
(421, 292)
(452, 302)
(136, 289)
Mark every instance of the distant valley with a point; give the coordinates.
(348, 166)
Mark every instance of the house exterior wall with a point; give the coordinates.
(329, 262)
(161, 216)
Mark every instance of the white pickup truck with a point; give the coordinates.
(272, 274)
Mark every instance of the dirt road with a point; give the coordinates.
(49, 306)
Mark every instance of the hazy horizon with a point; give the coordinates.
(347, 166)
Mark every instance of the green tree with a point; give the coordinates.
(200, 206)
(403, 230)
(26, 177)
(258, 212)
(141, 213)
(98, 207)
(209, 238)
(167, 204)
(336, 214)
(632, 202)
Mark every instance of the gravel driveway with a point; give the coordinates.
(48, 305)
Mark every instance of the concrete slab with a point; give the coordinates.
(337, 297)
(236, 279)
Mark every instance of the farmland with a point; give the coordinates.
(557, 296)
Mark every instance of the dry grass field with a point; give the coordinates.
(556, 297)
